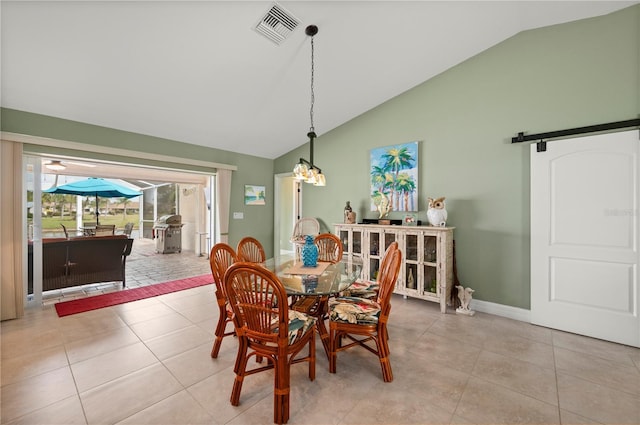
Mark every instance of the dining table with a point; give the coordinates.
(311, 287)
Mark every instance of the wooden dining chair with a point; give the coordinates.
(370, 288)
(363, 322)
(250, 250)
(220, 259)
(329, 247)
(267, 328)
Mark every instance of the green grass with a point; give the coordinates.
(53, 223)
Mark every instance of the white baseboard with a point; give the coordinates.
(509, 312)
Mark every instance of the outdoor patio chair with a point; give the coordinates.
(128, 228)
(64, 228)
(105, 230)
(267, 328)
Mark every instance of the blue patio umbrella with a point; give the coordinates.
(97, 187)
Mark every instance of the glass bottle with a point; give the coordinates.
(347, 211)
(309, 252)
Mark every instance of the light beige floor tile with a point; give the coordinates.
(100, 343)
(447, 351)
(597, 402)
(16, 342)
(201, 312)
(178, 409)
(392, 404)
(187, 300)
(442, 385)
(35, 393)
(570, 418)
(595, 347)
(178, 342)
(523, 377)
(85, 325)
(160, 326)
(123, 397)
(595, 369)
(635, 357)
(209, 325)
(510, 327)
(471, 330)
(196, 364)
(528, 350)
(114, 364)
(32, 363)
(65, 412)
(213, 394)
(487, 403)
(458, 420)
(142, 314)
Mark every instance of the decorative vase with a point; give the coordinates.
(347, 212)
(309, 252)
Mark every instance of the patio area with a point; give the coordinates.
(143, 267)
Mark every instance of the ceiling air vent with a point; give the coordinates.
(277, 24)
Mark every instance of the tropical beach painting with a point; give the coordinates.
(254, 195)
(394, 177)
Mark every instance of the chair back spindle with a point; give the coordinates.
(250, 250)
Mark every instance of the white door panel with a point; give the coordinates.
(584, 236)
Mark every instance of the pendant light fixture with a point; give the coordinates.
(307, 170)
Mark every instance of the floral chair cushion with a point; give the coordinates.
(354, 310)
(299, 324)
(362, 289)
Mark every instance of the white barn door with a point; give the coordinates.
(584, 236)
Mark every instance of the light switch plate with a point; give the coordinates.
(238, 215)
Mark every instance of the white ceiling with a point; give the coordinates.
(196, 71)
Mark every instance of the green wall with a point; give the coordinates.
(251, 169)
(571, 75)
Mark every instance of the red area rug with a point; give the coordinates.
(67, 308)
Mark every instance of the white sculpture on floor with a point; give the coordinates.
(465, 295)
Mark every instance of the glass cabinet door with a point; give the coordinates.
(357, 241)
(430, 282)
(411, 247)
(389, 238)
(430, 249)
(374, 244)
(344, 238)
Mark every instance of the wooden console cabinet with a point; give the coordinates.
(427, 254)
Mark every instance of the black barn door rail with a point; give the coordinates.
(542, 145)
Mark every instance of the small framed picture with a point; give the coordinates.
(254, 195)
(410, 220)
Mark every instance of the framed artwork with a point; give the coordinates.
(410, 220)
(254, 195)
(394, 177)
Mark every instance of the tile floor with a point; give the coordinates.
(148, 362)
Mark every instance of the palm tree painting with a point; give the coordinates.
(394, 173)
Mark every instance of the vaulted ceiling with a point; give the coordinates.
(199, 72)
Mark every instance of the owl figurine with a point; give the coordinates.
(437, 213)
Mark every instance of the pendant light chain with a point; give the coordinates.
(313, 97)
(307, 170)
